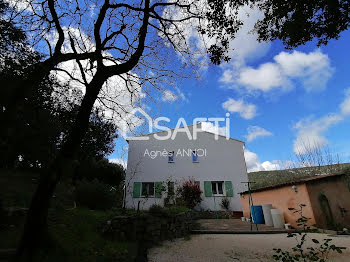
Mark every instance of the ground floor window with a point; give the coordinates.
(217, 187)
(147, 189)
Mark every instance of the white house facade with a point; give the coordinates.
(157, 167)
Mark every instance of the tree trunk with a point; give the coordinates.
(36, 228)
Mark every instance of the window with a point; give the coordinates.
(171, 157)
(147, 189)
(217, 188)
(194, 156)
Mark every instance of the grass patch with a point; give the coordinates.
(76, 232)
(76, 237)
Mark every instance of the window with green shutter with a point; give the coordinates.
(147, 189)
(229, 188)
(137, 189)
(207, 189)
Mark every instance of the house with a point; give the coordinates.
(157, 167)
(326, 198)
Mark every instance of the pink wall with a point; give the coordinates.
(337, 191)
(282, 198)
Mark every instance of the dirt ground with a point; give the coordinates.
(237, 247)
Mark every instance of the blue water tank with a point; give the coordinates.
(257, 214)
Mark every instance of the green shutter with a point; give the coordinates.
(137, 189)
(229, 189)
(207, 189)
(158, 189)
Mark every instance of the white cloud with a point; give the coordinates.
(170, 96)
(255, 132)
(119, 161)
(245, 45)
(310, 132)
(265, 77)
(312, 70)
(345, 106)
(254, 164)
(245, 110)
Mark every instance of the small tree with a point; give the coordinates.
(190, 194)
(225, 203)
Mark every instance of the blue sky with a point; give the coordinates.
(303, 96)
(277, 99)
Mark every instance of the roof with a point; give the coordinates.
(290, 183)
(276, 177)
(203, 131)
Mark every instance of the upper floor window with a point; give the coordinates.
(217, 187)
(194, 156)
(147, 189)
(171, 156)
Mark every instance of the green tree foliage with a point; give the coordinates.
(41, 121)
(297, 22)
(95, 195)
(13, 44)
(102, 170)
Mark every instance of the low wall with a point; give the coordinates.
(149, 228)
(208, 214)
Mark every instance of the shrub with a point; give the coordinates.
(106, 172)
(225, 203)
(177, 209)
(95, 195)
(190, 194)
(156, 209)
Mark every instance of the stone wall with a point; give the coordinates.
(149, 228)
(209, 214)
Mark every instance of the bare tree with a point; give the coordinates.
(105, 39)
(315, 158)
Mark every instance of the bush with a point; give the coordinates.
(190, 194)
(177, 209)
(95, 195)
(225, 203)
(156, 209)
(102, 170)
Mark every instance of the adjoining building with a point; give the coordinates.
(157, 167)
(326, 199)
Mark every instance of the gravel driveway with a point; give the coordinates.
(246, 248)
